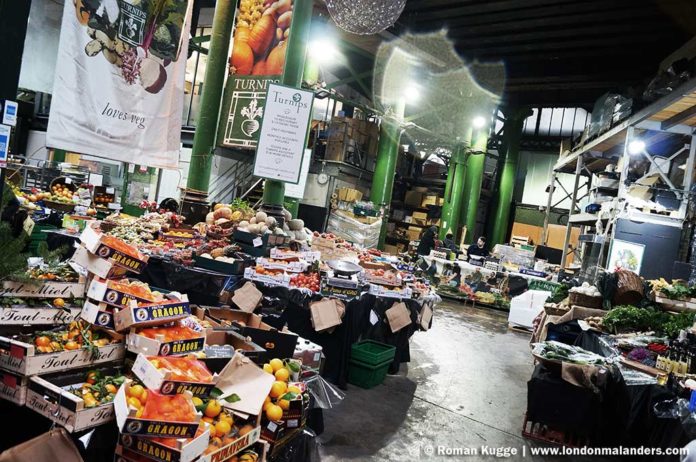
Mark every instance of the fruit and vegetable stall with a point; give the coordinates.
(216, 341)
(618, 357)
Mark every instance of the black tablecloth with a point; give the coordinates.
(620, 414)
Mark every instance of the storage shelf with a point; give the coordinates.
(408, 224)
(585, 218)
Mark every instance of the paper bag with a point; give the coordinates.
(247, 297)
(248, 381)
(52, 445)
(325, 314)
(426, 315)
(398, 317)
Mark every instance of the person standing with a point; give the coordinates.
(427, 241)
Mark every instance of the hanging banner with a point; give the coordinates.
(259, 46)
(284, 130)
(119, 85)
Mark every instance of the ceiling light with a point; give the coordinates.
(636, 147)
(479, 121)
(323, 50)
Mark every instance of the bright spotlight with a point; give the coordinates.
(479, 121)
(323, 50)
(412, 93)
(636, 147)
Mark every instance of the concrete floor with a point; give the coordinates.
(465, 387)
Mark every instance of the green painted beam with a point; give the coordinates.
(385, 168)
(472, 184)
(454, 187)
(216, 68)
(59, 155)
(273, 190)
(500, 217)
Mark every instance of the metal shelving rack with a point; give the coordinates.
(671, 115)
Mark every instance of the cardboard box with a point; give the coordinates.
(128, 423)
(280, 279)
(43, 289)
(413, 198)
(398, 317)
(100, 314)
(234, 447)
(349, 195)
(186, 450)
(420, 218)
(429, 200)
(13, 387)
(113, 293)
(287, 265)
(99, 267)
(22, 358)
(309, 256)
(390, 292)
(49, 395)
(125, 256)
(152, 314)
(391, 249)
(140, 344)
(222, 345)
(21, 315)
(413, 233)
(278, 344)
(159, 380)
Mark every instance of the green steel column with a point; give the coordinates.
(273, 190)
(472, 184)
(500, 217)
(450, 209)
(385, 168)
(450, 222)
(446, 217)
(211, 97)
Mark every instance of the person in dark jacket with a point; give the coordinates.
(479, 249)
(427, 241)
(449, 242)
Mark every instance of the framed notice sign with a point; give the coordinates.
(283, 137)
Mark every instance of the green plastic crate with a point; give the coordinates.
(372, 352)
(367, 375)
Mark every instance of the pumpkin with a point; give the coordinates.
(259, 68)
(210, 218)
(236, 215)
(242, 60)
(81, 11)
(276, 59)
(262, 35)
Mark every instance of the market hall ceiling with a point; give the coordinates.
(556, 52)
(560, 52)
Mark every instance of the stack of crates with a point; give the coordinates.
(37, 237)
(369, 363)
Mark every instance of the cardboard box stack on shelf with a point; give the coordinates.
(353, 141)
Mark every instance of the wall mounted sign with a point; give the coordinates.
(283, 137)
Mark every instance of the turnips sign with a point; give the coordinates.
(283, 136)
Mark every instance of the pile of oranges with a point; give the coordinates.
(278, 400)
(220, 424)
(154, 406)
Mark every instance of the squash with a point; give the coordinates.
(221, 221)
(223, 212)
(242, 60)
(236, 215)
(276, 59)
(262, 35)
(210, 218)
(220, 252)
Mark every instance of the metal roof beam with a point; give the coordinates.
(678, 118)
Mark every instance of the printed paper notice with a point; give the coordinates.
(283, 136)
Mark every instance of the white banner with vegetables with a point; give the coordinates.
(119, 84)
